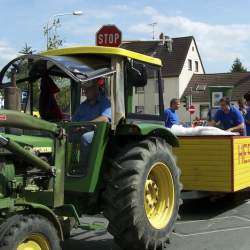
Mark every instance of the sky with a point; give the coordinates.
(221, 28)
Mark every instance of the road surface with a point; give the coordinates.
(223, 224)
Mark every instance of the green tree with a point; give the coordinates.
(50, 32)
(237, 66)
(26, 50)
(23, 72)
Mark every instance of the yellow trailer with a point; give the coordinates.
(214, 163)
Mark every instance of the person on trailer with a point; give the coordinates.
(96, 107)
(247, 116)
(242, 106)
(170, 115)
(229, 117)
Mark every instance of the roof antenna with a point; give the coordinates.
(153, 27)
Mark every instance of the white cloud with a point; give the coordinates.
(217, 43)
(6, 53)
(148, 10)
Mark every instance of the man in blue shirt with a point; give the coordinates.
(171, 117)
(229, 117)
(95, 108)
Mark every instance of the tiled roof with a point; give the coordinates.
(172, 61)
(239, 81)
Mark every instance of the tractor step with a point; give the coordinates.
(93, 226)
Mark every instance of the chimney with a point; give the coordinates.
(162, 38)
(169, 43)
(166, 41)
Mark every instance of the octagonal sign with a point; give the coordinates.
(109, 35)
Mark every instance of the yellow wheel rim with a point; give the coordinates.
(159, 195)
(34, 242)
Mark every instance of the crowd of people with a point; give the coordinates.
(228, 117)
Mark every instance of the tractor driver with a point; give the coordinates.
(96, 107)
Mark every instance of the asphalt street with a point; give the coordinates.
(221, 224)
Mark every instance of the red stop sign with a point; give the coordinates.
(109, 35)
(191, 109)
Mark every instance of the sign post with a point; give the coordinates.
(191, 110)
(109, 36)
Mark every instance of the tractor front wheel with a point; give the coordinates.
(142, 196)
(28, 232)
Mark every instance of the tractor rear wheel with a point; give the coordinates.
(142, 196)
(28, 232)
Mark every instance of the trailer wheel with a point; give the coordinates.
(142, 196)
(32, 232)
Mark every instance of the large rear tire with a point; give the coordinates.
(32, 232)
(142, 196)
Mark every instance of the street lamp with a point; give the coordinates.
(48, 27)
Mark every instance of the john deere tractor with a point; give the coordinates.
(130, 175)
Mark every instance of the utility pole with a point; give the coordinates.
(191, 103)
(153, 27)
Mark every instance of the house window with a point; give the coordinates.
(204, 111)
(156, 86)
(157, 109)
(139, 109)
(189, 64)
(196, 66)
(139, 90)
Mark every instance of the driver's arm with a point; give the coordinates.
(101, 118)
(105, 115)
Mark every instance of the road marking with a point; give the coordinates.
(213, 231)
(219, 218)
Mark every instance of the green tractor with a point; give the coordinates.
(131, 174)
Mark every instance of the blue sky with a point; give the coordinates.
(221, 27)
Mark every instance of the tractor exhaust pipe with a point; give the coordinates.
(12, 94)
(27, 156)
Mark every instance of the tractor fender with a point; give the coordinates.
(44, 211)
(167, 135)
(148, 129)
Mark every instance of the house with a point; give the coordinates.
(181, 59)
(199, 85)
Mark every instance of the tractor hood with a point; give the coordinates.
(38, 143)
(32, 67)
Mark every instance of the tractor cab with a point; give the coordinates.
(55, 83)
(131, 81)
